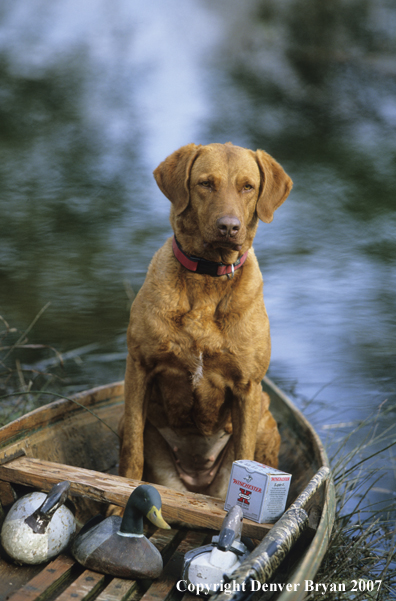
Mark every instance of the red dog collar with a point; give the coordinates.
(203, 266)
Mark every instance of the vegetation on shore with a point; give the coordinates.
(27, 371)
(361, 552)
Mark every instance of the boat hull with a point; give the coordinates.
(77, 440)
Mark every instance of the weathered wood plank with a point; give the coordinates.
(189, 597)
(7, 493)
(161, 588)
(177, 507)
(13, 577)
(162, 538)
(118, 590)
(84, 588)
(46, 581)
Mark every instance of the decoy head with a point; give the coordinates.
(40, 519)
(231, 528)
(144, 501)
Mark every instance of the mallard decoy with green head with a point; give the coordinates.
(117, 546)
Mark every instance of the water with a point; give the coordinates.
(93, 95)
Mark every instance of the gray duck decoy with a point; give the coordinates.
(204, 568)
(38, 526)
(117, 546)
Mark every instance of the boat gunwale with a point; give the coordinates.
(56, 410)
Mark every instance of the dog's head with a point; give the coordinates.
(218, 192)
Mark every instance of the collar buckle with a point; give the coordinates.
(230, 276)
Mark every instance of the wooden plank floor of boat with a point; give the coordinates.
(64, 579)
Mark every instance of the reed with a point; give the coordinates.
(23, 375)
(361, 553)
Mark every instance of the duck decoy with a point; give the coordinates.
(38, 526)
(117, 546)
(204, 567)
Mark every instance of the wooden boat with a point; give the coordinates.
(76, 440)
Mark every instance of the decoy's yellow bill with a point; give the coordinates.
(155, 516)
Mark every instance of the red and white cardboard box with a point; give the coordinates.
(261, 491)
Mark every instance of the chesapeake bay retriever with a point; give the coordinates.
(198, 338)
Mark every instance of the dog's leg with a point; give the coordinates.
(159, 467)
(132, 449)
(219, 486)
(246, 410)
(268, 438)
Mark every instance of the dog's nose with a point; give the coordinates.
(228, 226)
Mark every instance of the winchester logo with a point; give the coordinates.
(249, 486)
(244, 496)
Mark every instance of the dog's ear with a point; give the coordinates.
(173, 174)
(275, 186)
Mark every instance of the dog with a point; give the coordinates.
(198, 337)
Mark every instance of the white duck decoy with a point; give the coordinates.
(204, 567)
(38, 526)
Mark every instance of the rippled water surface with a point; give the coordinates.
(93, 95)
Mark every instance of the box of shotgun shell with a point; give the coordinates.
(261, 491)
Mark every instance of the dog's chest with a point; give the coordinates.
(203, 348)
(214, 347)
(206, 347)
(198, 370)
(208, 327)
